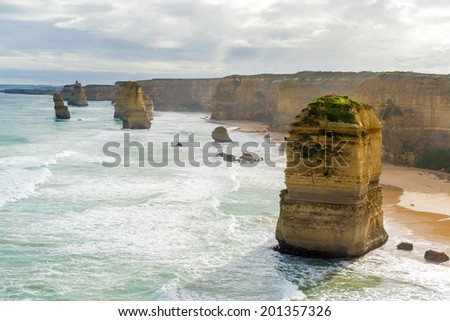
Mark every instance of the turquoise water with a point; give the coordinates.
(71, 229)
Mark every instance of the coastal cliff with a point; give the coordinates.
(414, 110)
(246, 97)
(297, 90)
(92, 92)
(332, 203)
(100, 92)
(180, 94)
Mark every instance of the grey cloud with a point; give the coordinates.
(286, 36)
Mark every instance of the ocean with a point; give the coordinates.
(72, 229)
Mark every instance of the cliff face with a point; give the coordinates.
(92, 92)
(332, 204)
(297, 90)
(66, 91)
(130, 106)
(246, 98)
(100, 92)
(414, 108)
(180, 94)
(415, 112)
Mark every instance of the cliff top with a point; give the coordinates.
(337, 109)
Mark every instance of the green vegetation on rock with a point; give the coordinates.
(390, 110)
(436, 159)
(333, 108)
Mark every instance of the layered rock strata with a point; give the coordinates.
(179, 94)
(130, 106)
(331, 206)
(93, 92)
(100, 92)
(297, 90)
(149, 107)
(246, 97)
(61, 110)
(77, 96)
(414, 110)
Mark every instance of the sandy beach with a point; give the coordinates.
(419, 201)
(249, 126)
(416, 202)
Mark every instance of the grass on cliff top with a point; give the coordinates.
(334, 108)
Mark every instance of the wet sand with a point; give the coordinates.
(425, 212)
(249, 126)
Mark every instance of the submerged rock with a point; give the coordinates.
(220, 135)
(249, 158)
(77, 96)
(332, 204)
(405, 246)
(227, 157)
(130, 106)
(434, 256)
(61, 110)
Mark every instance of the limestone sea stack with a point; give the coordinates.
(77, 96)
(220, 135)
(332, 204)
(130, 106)
(148, 103)
(61, 110)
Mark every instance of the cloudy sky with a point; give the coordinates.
(95, 41)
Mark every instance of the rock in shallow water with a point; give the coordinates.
(434, 256)
(131, 107)
(61, 110)
(77, 96)
(220, 135)
(405, 246)
(331, 206)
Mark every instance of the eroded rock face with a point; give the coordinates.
(61, 110)
(332, 204)
(414, 110)
(246, 97)
(220, 135)
(180, 94)
(77, 96)
(130, 106)
(149, 108)
(297, 90)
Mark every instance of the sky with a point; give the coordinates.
(95, 41)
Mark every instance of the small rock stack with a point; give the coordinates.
(77, 96)
(61, 110)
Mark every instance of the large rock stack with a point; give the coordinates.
(61, 110)
(130, 106)
(77, 96)
(332, 204)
